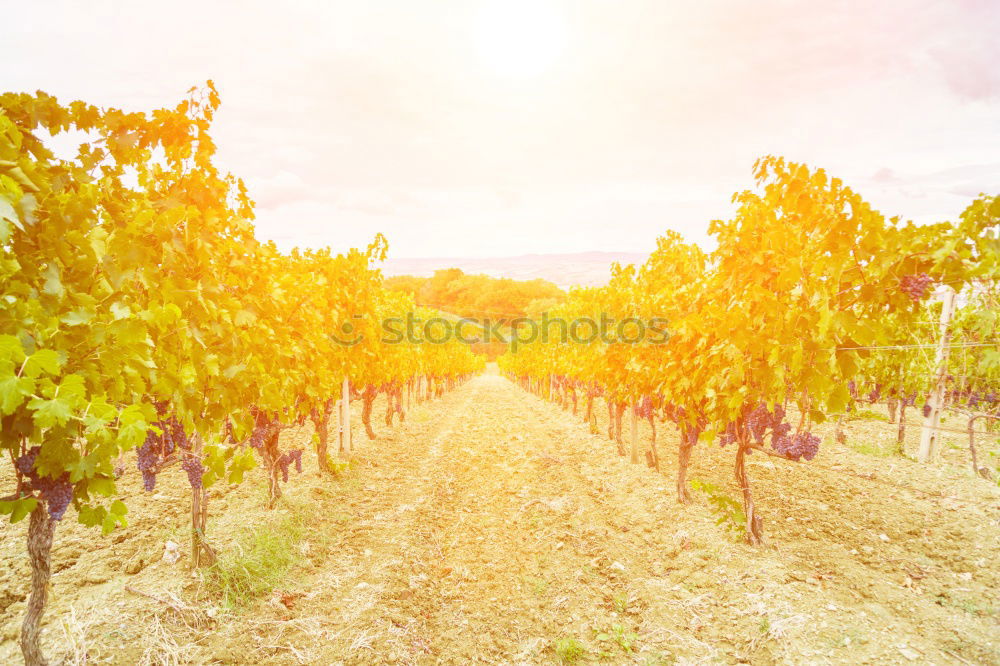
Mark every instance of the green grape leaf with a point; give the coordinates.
(43, 360)
(18, 509)
(48, 413)
(132, 427)
(13, 391)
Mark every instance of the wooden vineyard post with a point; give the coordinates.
(972, 446)
(345, 418)
(339, 411)
(635, 435)
(901, 432)
(201, 554)
(196, 510)
(838, 430)
(929, 429)
(195, 524)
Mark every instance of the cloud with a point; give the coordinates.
(350, 118)
(884, 175)
(973, 72)
(281, 188)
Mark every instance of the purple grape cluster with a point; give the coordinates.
(147, 458)
(761, 421)
(159, 446)
(26, 464)
(257, 437)
(852, 388)
(926, 410)
(173, 436)
(286, 459)
(283, 465)
(916, 286)
(56, 493)
(261, 428)
(875, 393)
(800, 445)
(757, 424)
(194, 469)
(975, 398)
(148, 454)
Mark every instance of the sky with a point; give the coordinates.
(477, 128)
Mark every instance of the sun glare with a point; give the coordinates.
(519, 39)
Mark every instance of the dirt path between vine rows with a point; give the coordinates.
(492, 527)
(497, 543)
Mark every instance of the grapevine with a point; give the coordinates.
(771, 319)
(158, 322)
(917, 287)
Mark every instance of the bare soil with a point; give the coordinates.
(492, 524)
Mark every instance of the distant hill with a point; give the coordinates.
(586, 269)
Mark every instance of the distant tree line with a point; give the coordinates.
(479, 296)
